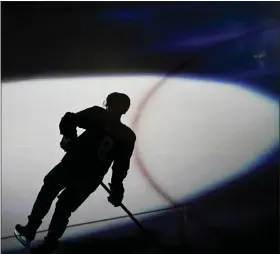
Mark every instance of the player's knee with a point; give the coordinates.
(46, 178)
(63, 213)
(64, 205)
(50, 179)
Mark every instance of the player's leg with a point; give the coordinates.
(54, 182)
(69, 201)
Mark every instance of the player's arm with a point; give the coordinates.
(70, 121)
(120, 168)
(121, 164)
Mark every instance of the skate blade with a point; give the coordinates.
(22, 239)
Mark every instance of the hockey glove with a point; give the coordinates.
(116, 195)
(65, 143)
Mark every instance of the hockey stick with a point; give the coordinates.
(126, 210)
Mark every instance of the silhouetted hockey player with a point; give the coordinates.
(88, 158)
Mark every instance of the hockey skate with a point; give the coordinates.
(24, 236)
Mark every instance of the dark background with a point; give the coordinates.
(45, 38)
(237, 41)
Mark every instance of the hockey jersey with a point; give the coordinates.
(105, 141)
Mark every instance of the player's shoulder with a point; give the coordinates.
(129, 133)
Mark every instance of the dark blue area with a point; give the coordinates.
(237, 41)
